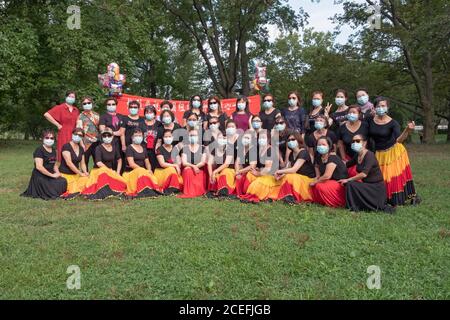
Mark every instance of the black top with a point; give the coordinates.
(338, 119)
(347, 136)
(193, 157)
(220, 159)
(130, 125)
(295, 119)
(340, 172)
(139, 158)
(311, 140)
(307, 169)
(49, 158)
(107, 120)
(385, 135)
(222, 119)
(76, 160)
(201, 116)
(262, 157)
(161, 129)
(166, 154)
(108, 158)
(248, 157)
(152, 134)
(268, 120)
(311, 120)
(369, 165)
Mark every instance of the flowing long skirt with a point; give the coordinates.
(168, 180)
(44, 187)
(194, 185)
(262, 188)
(394, 164)
(103, 183)
(75, 185)
(361, 196)
(226, 182)
(329, 193)
(296, 186)
(242, 183)
(141, 183)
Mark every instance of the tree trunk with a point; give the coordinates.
(244, 69)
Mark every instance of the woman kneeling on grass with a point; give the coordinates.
(73, 165)
(329, 170)
(366, 191)
(193, 158)
(105, 180)
(46, 181)
(300, 172)
(168, 172)
(138, 173)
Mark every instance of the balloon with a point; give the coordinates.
(260, 83)
(112, 80)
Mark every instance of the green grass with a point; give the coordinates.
(169, 248)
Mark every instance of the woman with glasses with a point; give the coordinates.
(195, 107)
(215, 110)
(279, 136)
(64, 116)
(366, 191)
(213, 131)
(105, 180)
(138, 173)
(73, 166)
(193, 159)
(89, 121)
(46, 181)
(268, 114)
(329, 170)
(299, 173)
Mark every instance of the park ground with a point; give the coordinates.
(169, 248)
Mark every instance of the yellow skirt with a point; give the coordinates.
(226, 181)
(168, 178)
(75, 184)
(141, 183)
(297, 186)
(262, 188)
(103, 183)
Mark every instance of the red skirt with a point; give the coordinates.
(103, 183)
(168, 179)
(352, 170)
(141, 183)
(296, 186)
(329, 193)
(242, 183)
(225, 182)
(194, 185)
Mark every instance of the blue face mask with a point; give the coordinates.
(256, 125)
(87, 107)
(192, 123)
(111, 109)
(138, 139)
(322, 149)
(352, 117)
(133, 111)
(292, 144)
(267, 104)
(363, 100)
(149, 116)
(167, 120)
(70, 100)
(319, 125)
(381, 111)
(193, 139)
(316, 103)
(339, 101)
(76, 138)
(292, 102)
(196, 104)
(280, 127)
(214, 106)
(357, 147)
(230, 131)
(241, 106)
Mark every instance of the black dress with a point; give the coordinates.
(42, 186)
(370, 194)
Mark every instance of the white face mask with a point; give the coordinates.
(168, 141)
(230, 131)
(107, 140)
(49, 142)
(87, 107)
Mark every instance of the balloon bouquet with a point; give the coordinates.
(260, 83)
(113, 80)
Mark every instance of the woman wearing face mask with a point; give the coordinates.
(166, 105)
(151, 137)
(321, 130)
(73, 166)
(366, 191)
(213, 131)
(89, 121)
(340, 115)
(195, 107)
(268, 114)
(221, 169)
(294, 113)
(280, 134)
(193, 159)
(353, 126)
(367, 109)
(318, 110)
(104, 181)
(392, 155)
(256, 125)
(263, 185)
(138, 172)
(329, 170)
(46, 181)
(64, 117)
(168, 170)
(130, 123)
(111, 120)
(242, 116)
(215, 110)
(245, 163)
(300, 172)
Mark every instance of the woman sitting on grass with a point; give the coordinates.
(46, 181)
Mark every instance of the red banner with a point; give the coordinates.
(180, 106)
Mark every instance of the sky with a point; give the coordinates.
(319, 13)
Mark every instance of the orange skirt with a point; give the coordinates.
(296, 186)
(262, 188)
(242, 183)
(141, 183)
(329, 193)
(226, 182)
(168, 179)
(103, 183)
(75, 184)
(194, 185)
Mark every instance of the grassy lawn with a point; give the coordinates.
(169, 248)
